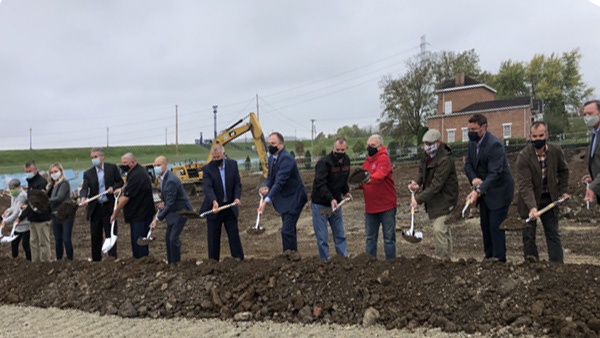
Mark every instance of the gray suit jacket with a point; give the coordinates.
(174, 198)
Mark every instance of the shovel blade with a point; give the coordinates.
(144, 240)
(412, 238)
(255, 231)
(7, 239)
(109, 243)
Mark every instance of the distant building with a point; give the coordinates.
(461, 97)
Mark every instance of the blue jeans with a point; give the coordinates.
(139, 229)
(387, 219)
(62, 238)
(336, 222)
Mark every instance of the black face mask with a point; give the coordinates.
(273, 149)
(539, 144)
(218, 162)
(473, 136)
(339, 156)
(371, 151)
(125, 168)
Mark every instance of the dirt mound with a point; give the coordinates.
(412, 291)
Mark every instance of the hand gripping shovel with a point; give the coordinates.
(548, 207)
(467, 204)
(257, 229)
(146, 240)
(410, 235)
(327, 211)
(223, 207)
(110, 242)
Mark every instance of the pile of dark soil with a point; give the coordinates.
(531, 298)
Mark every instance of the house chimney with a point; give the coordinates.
(459, 79)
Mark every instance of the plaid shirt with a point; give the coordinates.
(542, 159)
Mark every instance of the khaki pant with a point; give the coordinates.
(40, 241)
(442, 238)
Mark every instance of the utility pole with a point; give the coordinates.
(106, 137)
(176, 131)
(312, 138)
(165, 136)
(257, 114)
(215, 112)
(30, 139)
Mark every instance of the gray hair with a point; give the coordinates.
(378, 137)
(98, 150)
(218, 146)
(129, 156)
(14, 183)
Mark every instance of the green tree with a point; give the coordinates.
(299, 146)
(359, 147)
(510, 80)
(248, 163)
(323, 152)
(307, 159)
(293, 154)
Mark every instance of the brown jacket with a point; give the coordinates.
(439, 183)
(529, 177)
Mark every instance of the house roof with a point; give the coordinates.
(450, 85)
(497, 105)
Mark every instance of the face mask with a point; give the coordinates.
(339, 156)
(218, 162)
(473, 136)
(371, 151)
(539, 144)
(125, 168)
(273, 149)
(29, 175)
(55, 176)
(14, 192)
(96, 161)
(158, 170)
(591, 120)
(430, 148)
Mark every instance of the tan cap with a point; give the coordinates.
(432, 135)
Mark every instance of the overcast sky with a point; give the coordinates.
(72, 69)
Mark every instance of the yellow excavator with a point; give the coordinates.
(190, 174)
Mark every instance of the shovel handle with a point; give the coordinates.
(223, 207)
(346, 199)
(94, 198)
(546, 208)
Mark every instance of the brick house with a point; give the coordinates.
(461, 97)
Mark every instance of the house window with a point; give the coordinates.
(507, 130)
(451, 133)
(465, 134)
(447, 107)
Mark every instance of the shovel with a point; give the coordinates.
(9, 238)
(410, 235)
(146, 240)
(223, 207)
(327, 211)
(548, 207)
(587, 186)
(257, 229)
(467, 204)
(110, 242)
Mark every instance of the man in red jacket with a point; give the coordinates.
(380, 199)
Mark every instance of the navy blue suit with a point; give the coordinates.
(174, 200)
(288, 195)
(497, 191)
(213, 191)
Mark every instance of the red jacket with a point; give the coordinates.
(380, 192)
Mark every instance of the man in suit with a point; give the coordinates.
(101, 178)
(137, 203)
(542, 177)
(174, 199)
(487, 169)
(284, 188)
(591, 116)
(222, 185)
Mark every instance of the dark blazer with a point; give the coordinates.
(213, 186)
(173, 196)
(529, 177)
(593, 163)
(90, 187)
(491, 166)
(286, 189)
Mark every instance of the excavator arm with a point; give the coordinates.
(191, 173)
